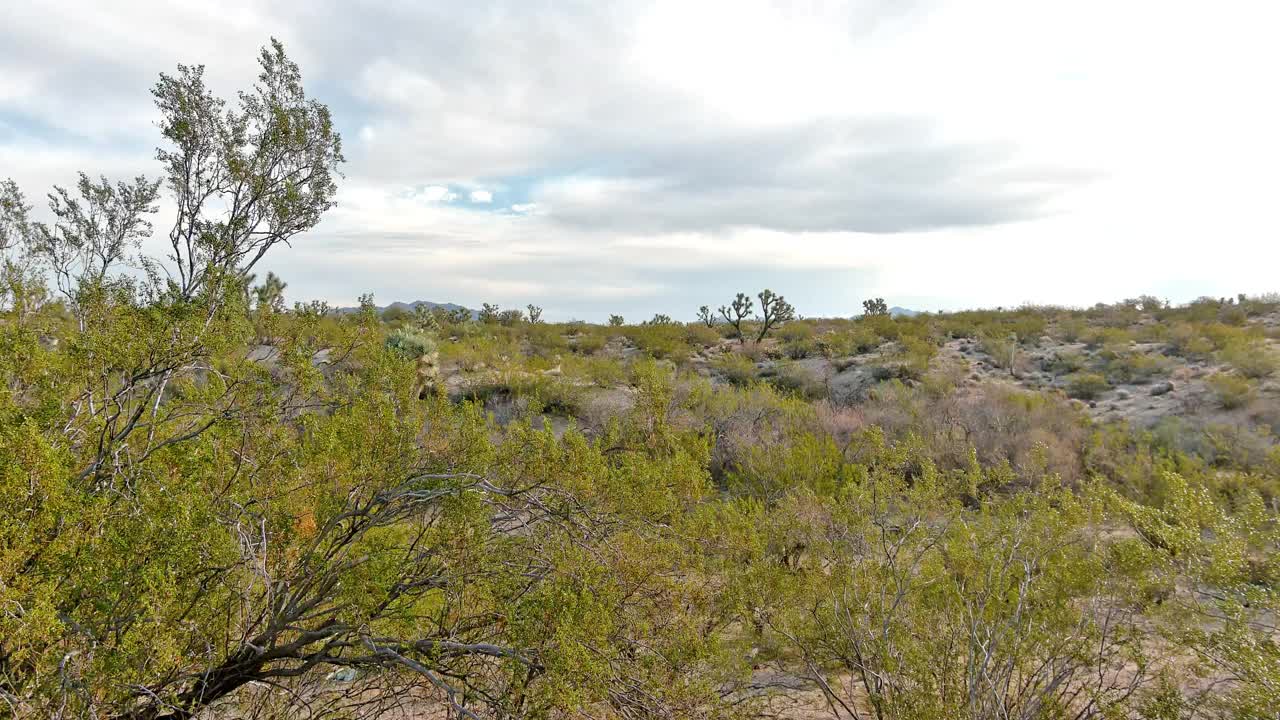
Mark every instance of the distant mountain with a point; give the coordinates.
(896, 311)
(410, 307)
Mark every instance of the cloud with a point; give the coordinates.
(654, 152)
(436, 194)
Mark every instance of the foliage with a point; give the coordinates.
(706, 317)
(1254, 360)
(410, 344)
(1231, 391)
(736, 313)
(874, 306)
(774, 310)
(1087, 386)
(737, 368)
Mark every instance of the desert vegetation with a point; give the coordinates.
(217, 504)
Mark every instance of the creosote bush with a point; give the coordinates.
(1087, 386)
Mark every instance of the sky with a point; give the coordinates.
(650, 157)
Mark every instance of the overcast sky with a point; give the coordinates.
(640, 157)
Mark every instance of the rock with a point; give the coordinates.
(1122, 394)
(345, 675)
(1162, 388)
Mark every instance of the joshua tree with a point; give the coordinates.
(271, 292)
(488, 313)
(660, 319)
(507, 318)
(706, 316)
(458, 316)
(425, 318)
(535, 313)
(875, 306)
(616, 321)
(776, 311)
(737, 312)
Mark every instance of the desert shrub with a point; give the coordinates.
(1087, 386)
(1231, 391)
(410, 343)
(396, 316)
(1252, 359)
(1071, 329)
(915, 354)
(1152, 333)
(799, 340)
(661, 341)
(736, 368)
(1065, 362)
(855, 341)
(1233, 315)
(1001, 350)
(800, 349)
(804, 460)
(545, 341)
(796, 331)
(474, 352)
(604, 372)
(701, 335)
(1185, 340)
(884, 327)
(588, 343)
(792, 379)
(1224, 336)
(1103, 336)
(1130, 367)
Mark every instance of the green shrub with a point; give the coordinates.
(1252, 359)
(701, 335)
(800, 350)
(916, 354)
(796, 331)
(1133, 367)
(1087, 386)
(737, 368)
(1186, 341)
(795, 380)
(1104, 336)
(1001, 350)
(1071, 329)
(661, 341)
(588, 344)
(409, 343)
(1067, 362)
(1231, 391)
(604, 372)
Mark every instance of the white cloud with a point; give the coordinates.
(958, 152)
(436, 194)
